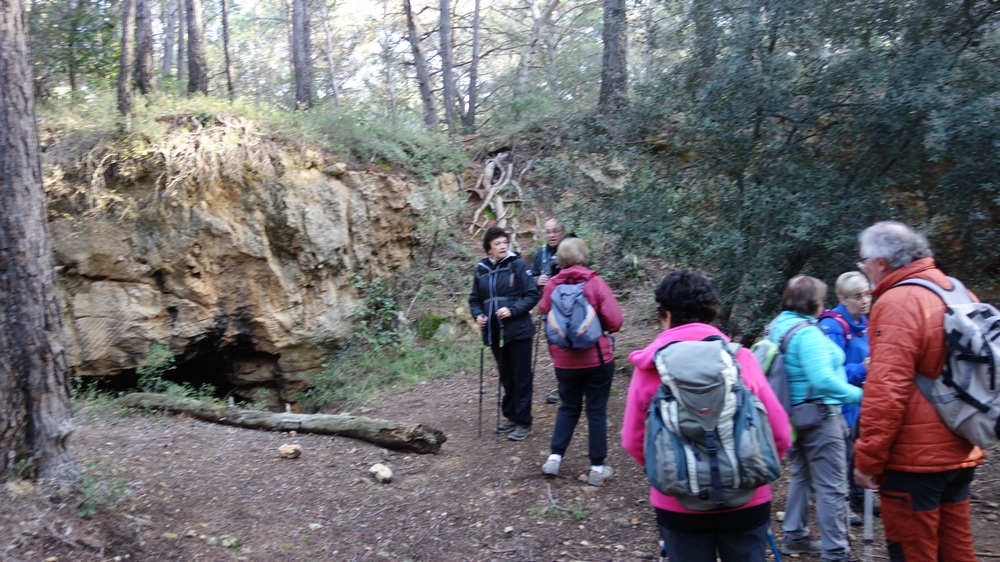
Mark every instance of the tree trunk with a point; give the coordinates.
(127, 60)
(614, 84)
(181, 43)
(169, 27)
(330, 61)
(414, 34)
(469, 119)
(35, 416)
(197, 66)
(300, 54)
(145, 77)
(390, 79)
(225, 48)
(392, 435)
(539, 20)
(447, 79)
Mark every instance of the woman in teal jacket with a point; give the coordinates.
(819, 387)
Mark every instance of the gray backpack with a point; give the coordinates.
(708, 438)
(572, 322)
(967, 393)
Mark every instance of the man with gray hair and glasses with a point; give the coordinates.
(921, 469)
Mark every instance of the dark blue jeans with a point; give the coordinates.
(733, 536)
(514, 364)
(576, 385)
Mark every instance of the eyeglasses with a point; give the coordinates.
(554, 231)
(860, 297)
(861, 264)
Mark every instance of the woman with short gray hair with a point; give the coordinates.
(847, 326)
(584, 375)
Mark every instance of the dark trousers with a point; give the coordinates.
(733, 536)
(514, 364)
(855, 493)
(575, 386)
(926, 516)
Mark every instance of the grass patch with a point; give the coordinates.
(358, 373)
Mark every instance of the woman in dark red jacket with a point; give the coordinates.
(583, 373)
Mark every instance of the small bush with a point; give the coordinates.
(428, 324)
(98, 490)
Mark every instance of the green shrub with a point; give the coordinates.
(428, 324)
(99, 491)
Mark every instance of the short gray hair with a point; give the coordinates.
(852, 283)
(572, 251)
(897, 243)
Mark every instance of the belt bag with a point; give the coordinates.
(808, 415)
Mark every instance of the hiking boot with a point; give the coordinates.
(506, 427)
(520, 433)
(856, 521)
(551, 468)
(552, 398)
(598, 478)
(801, 546)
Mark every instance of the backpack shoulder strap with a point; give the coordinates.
(957, 294)
(839, 318)
(783, 348)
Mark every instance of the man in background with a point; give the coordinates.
(544, 267)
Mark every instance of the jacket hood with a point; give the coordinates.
(573, 275)
(924, 268)
(859, 326)
(785, 321)
(644, 358)
(489, 264)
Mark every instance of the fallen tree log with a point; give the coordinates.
(391, 435)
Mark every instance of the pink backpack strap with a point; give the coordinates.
(840, 320)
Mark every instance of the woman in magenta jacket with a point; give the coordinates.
(583, 374)
(686, 305)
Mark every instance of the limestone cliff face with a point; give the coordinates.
(257, 273)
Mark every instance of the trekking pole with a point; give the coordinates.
(869, 509)
(499, 373)
(774, 545)
(482, 350)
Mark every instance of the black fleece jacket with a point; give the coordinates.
(506, 283)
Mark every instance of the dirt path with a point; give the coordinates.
(198, 487)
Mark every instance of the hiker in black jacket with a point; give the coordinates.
(544, 267)
(503, 293)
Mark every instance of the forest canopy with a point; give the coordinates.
(757, 138)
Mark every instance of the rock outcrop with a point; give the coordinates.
(258, 272)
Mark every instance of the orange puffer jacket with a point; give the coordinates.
(900, 430)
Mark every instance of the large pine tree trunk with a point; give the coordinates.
(145, 77)
(469, 119)
(225, 48)
(614, 85)
(169, 28)
(197, 66)
(300, 54)
(331, 62)
(415, 34)
(127, 59)
(447, 73)
(35, 416)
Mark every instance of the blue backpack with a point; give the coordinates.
(572, 323)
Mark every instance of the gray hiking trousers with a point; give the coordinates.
(819, 466)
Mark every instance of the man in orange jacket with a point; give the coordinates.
(921, 469)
